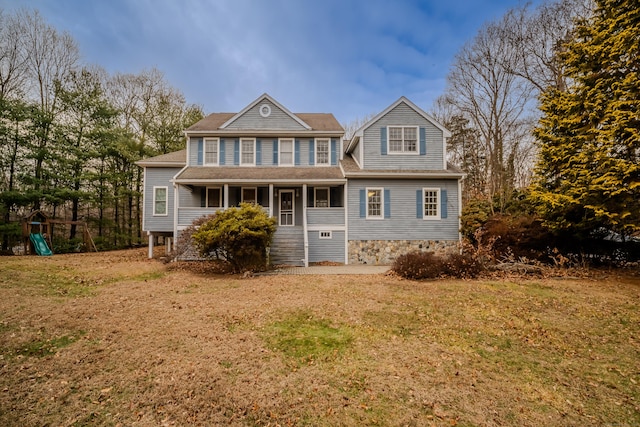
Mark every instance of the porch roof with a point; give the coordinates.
(230, 174)
(175, 159)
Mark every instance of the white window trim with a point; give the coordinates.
(255, 189)
(424, 213)
(254, 152)
(166, 201)
(315, 154)
(204, 154)
(265, 110)
(293, 151)
(366, 195)
(412, 153)
(315, 196)
(325, 234)
(207, 197)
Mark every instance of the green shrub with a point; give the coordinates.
(238, 235)
(427, 265)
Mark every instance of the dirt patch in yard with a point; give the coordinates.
(117, 339)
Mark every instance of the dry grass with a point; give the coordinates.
(115, 339)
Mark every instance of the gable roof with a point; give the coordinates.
(360, 132)
(321, 122)
(260, 99)
(211, 122)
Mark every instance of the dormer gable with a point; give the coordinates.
(265, 113)
(401, 137)
(351, 144)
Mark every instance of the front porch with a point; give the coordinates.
(307, 214)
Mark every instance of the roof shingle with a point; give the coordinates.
(324, 122)
(249, 174)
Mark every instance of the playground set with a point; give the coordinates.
(38, 229)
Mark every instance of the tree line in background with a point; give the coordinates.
(70, 134)
(542, 104)
(544, 107)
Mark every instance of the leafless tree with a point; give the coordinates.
(350, 128)
(494, 101)
(538, 37)
(51, 55)
(153, 116)
(494, 84)
(13, 57)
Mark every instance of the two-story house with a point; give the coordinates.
(386, 191)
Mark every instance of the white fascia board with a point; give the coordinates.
(260, 181)
(413, 106)
(174, 180)
(142, 163)
(404, 175)
(266, 132)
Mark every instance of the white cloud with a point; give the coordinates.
(348, 57)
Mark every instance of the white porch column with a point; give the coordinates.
(271, 200)
(346, 222)
(150, 236)
(168, 246)
(225, 201)
(304, 225)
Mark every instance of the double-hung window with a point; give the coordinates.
(211, 151)
(160, 201)
(403, 139)
(375, 203)
(322, 152)
(286, 152)
(247, 151)
(431, 203)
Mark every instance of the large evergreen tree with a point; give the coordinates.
(588, 172)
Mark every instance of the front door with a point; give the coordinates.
(286, 207)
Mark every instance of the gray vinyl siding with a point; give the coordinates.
(356, 153)
(188, 199)
(326, 249)
(278, 119)
(403, 115)
(193, 151)
(325, 216)
(267, 148)
(403, 223)
(158, 177)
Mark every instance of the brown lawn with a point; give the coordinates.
(116, 339)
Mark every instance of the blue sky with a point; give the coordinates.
(347, 57)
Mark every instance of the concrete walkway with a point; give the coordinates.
(324, 270)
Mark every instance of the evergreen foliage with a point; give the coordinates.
(588, 172)
(241, 236)
(71, 134)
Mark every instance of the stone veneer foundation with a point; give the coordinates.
(384, 252)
